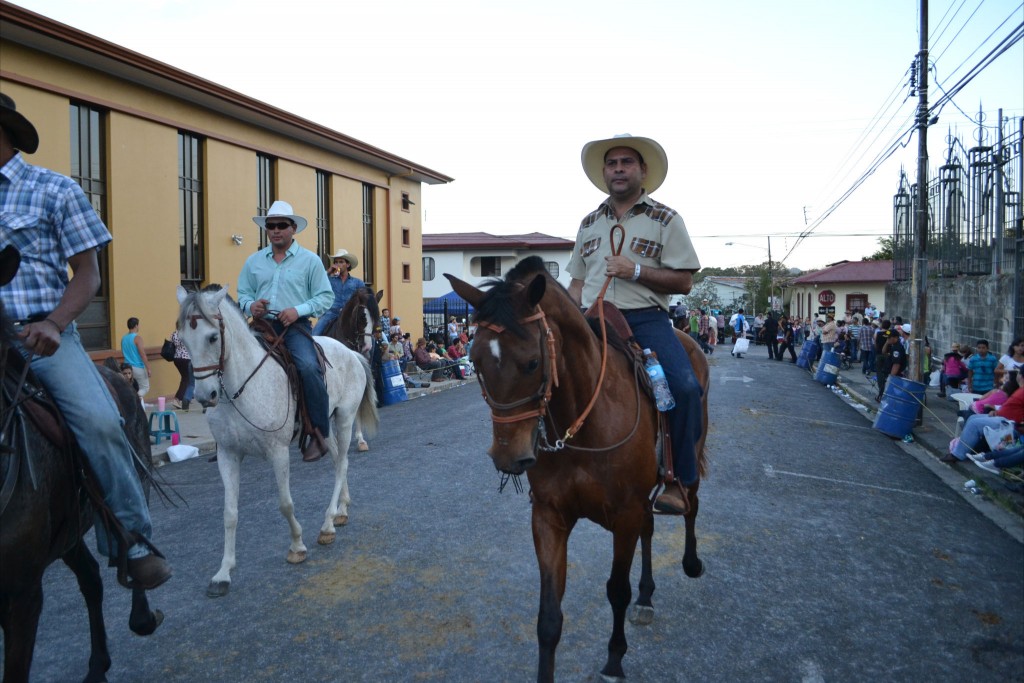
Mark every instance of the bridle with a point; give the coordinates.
(550, 378)
(217, 370)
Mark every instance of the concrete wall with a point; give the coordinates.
(963, 309)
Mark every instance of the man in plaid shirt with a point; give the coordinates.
(48, 218)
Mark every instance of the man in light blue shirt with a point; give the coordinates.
(287, 284)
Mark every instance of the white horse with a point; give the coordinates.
(254, 412)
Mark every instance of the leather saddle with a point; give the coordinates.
(275, 348)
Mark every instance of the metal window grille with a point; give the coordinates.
(191, 233)
(323, 225)
(264, 190)
(368, 242)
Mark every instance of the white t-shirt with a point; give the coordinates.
(1009, 364)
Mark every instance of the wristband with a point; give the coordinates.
(636, 273)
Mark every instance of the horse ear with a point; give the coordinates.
(466, 290)
(220, 294)
(182, 294)
(380, 295)
(10, 259)
(536, 291)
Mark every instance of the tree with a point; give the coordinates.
(703, 290)
(885, 250)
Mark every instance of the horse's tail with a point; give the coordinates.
(369, 419)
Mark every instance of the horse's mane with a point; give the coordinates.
(200, 303)
(496, 306)
(363, 296)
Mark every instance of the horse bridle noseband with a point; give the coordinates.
(549, 380)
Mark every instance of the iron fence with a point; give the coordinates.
(974, 208)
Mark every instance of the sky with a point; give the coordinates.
(769, 111)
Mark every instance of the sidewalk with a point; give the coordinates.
(195, 431)
(937, 428)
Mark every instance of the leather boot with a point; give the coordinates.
(316, 447)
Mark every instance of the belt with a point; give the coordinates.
(646, 309)
(37, 318)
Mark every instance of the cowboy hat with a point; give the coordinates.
(281, 209)
(22, 133)
(653, 155)
(343, 253)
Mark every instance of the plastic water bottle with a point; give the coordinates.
(662, 394)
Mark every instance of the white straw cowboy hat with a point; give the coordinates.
(653, 155)
(281, 209)
(353, 261)
(20, 130)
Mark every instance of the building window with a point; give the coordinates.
(552, 268)
(856, 303)
(367, 260)
(88, 169)
(486, 266)
(323, 225)
(428, 268)
(406, 272)
(406, 237)
(406, 202)
(190, 209)
(264, 190)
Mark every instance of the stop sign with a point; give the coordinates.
(826, 297)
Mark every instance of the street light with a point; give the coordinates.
(771, 273)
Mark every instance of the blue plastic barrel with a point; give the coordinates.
(828, 368)
(808, 350)
(394, 383)
(900, 403)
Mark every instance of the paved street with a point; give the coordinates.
(832, 555)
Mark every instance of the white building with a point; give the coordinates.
(476, 256)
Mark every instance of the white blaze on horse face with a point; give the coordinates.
(495, 350)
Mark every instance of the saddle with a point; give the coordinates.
(620, 337)
(273, 343)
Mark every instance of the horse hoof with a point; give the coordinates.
(325, 538)
(694, 570)
(341, 520)
(296, 557)
(156, 617)
(643, 615)
(362, 447)
(218, 589)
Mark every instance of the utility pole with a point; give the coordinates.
(919, 269)
(771, 278)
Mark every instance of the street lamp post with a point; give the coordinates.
(771, 272)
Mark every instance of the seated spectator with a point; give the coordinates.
(406, 347)
(395, 349)
(981, 369)
(953, 370)
(973, 435)
(1012, 360)
(990, 402)
(457, 350)
(430, 360)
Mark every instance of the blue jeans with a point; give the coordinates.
(325, 321)
(973, 433)
(313, 388)
(867, 357)
(81, 394)
(653, 330)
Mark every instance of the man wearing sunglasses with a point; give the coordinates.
(286, 284)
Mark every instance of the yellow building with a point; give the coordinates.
(177, 166)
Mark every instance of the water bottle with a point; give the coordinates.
(662, 394)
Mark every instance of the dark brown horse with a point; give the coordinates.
(538, 361)
(44, 514)
(354, 327)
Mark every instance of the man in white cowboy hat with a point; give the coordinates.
(286, 284)
(344, 284)
(48, 218)
(656, 260)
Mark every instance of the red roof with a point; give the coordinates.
(482, 240)
(849, 271)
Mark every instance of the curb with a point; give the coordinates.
(953, 475)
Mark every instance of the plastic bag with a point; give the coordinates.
(1000, 437)
(182, 452)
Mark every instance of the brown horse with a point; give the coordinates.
(44, 515)
(538, 361)
(354, 327)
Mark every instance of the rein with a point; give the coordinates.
(550, 378)
(218, 369)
